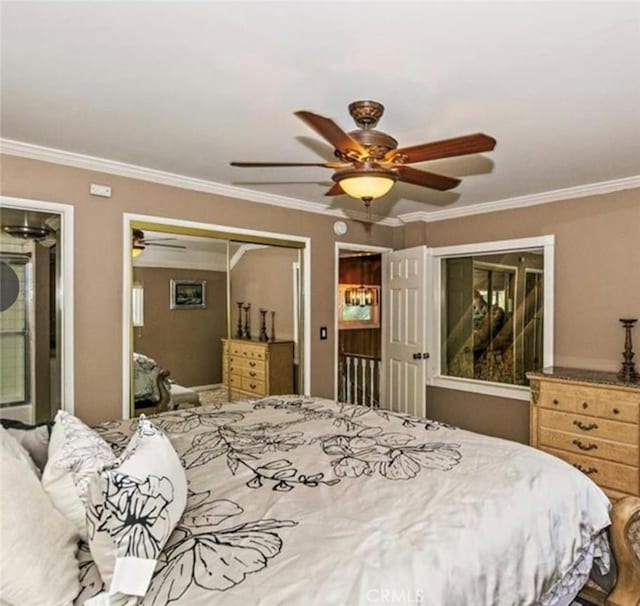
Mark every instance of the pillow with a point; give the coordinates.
(11, 447)
(38, 544)
(34, 438)
(76, 453)
(133, 508)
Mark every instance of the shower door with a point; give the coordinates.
(15, 337)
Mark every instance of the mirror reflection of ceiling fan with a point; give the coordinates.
(139, 243)
(369, 161)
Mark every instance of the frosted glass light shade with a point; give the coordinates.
(366, 186)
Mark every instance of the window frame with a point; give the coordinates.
(435, 256)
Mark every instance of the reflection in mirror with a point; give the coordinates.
(179, 317)
(192, 343)
(30, 315)
(492, 322)
(263, 354)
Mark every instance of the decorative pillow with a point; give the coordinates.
(76, 454)
(38, 545)
(34, 438)
(11, 447)
(133, 508)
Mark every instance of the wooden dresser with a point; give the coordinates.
(591, 420)
(257, 368)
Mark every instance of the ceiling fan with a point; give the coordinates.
(139, 243)
(369, 161)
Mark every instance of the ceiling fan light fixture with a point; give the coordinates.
(365, 186)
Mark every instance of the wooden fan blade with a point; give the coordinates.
(425, 179)
(335, 190)
(267, 164)
(330, 131)
(459, 146)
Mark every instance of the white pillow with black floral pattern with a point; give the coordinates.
(76, 454)
(133, 508)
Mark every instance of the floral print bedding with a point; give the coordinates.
(297, 500)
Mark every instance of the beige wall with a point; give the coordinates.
(597, 281)
(264, 278)
(98, 263)
(184, 341)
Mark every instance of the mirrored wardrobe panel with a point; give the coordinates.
(213, 318)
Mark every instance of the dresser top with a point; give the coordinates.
(582, 375)
(258, 341)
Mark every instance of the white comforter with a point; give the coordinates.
(311, 502)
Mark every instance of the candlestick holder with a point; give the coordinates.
(247, 321)
(273, 325)
(263, 325)
(628, 371)
(239, 331)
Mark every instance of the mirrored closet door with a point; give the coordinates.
(213, 318)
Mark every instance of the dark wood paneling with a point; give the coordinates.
(361, 270)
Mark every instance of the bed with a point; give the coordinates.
(302, 500)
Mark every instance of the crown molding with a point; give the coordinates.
(58, 156)
(556, 195)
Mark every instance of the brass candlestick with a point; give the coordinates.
(628, 370)
(273, 325)
(247, 321)
(263, 325)
(239, 329)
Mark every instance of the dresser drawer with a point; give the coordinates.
(618, 405)
(609, 475)
(240, 363)
(247, 350)
(595, 447)
(253, 386)
(567, 398)
(253, 375)
(589, 426)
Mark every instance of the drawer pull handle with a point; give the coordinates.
(555, 401)
(585, 405)
(582, 446)
(253, 385)
(584, 427)
(616, 411)
(252, 364)
(586, 470)
(252, 373)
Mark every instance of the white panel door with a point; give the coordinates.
(403, 373)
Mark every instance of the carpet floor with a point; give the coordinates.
(218, 396)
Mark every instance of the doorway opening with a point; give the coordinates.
(359, 311)
(36, 375)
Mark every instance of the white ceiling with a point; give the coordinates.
(188, 87)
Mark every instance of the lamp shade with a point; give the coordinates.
(366, 186)
(136, 251)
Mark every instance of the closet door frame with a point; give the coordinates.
(131, 220)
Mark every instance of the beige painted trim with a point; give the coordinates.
(103, 165)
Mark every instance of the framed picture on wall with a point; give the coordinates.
(358, 306)
(187, 294)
